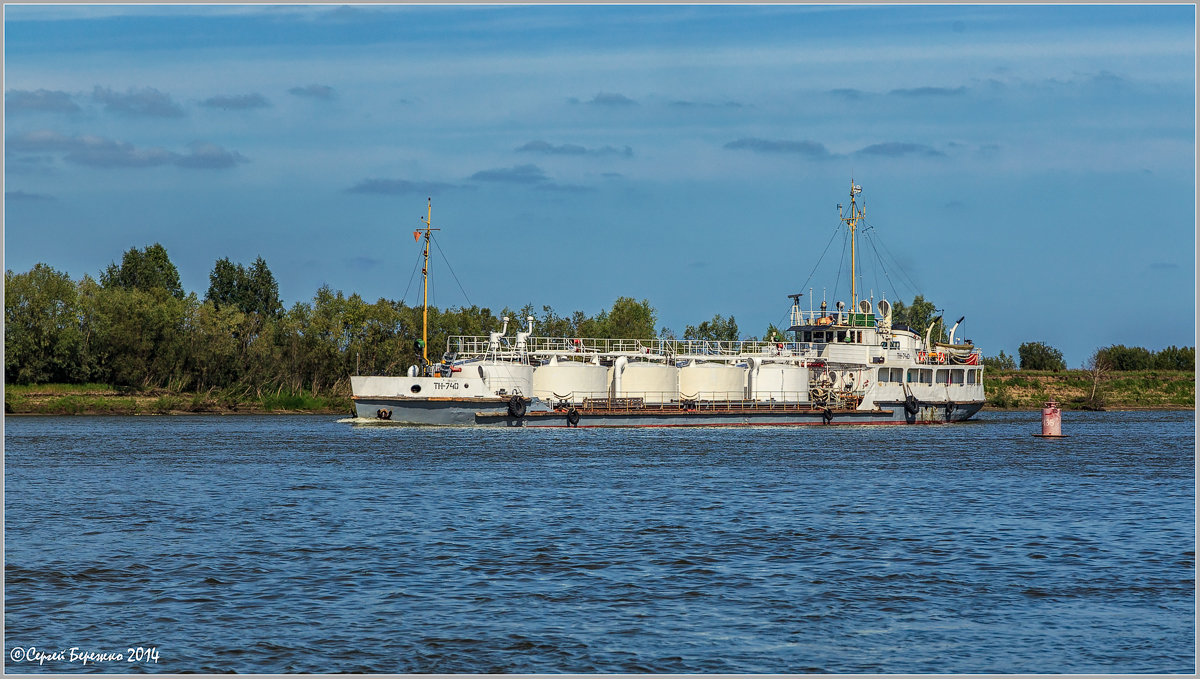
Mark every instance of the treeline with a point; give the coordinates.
(136, 327)
(1041, 356)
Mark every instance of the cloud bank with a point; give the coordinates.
(43, 101)
(236, 102)
(147, 102)
(102, 152)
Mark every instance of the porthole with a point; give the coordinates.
(416, 389)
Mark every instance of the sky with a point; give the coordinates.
(1032, 168)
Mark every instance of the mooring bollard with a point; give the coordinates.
(1051, 421)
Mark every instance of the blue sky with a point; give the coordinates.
(1029, 167)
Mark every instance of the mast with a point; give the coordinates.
(428, 220)
(852, 222)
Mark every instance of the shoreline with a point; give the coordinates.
(1007, 390)
(244, 412)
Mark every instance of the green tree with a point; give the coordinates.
(42, 336)
(1000, 362)
(252, 290)
(1040, 356)
(1121, 357)
(774, 334)
(917, 317)
(630, 319)
(1175, 358)
(145, 269)
(718, 329)
(224, 284)
(262, 291)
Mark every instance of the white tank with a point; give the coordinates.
(778, 381)
(570, 381)
(513, 378)
(652, 382)
(712, 382)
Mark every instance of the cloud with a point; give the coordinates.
(397, 187)
(147, 102)
(206, 156)
(236, 101)
(93, 151)
(42, 101)
(896, 149)
(572, 149)
(807, 148)
(24, 196)
(611, 99)
(929, 92)
(705, 105)
(521, 174)
(563, 188)
(313, 92)
(848, 93)
(364, 263)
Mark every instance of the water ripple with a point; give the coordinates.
(298, 544)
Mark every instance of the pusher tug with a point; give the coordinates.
(843, 366)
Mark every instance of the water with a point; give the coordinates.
(298, 544)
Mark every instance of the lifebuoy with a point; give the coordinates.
(827, 416)
(910, 405)
(572, 418)
(516, 406)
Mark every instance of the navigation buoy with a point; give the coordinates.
(1051, 421)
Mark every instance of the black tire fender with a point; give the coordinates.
(516, 406)
(910, 405)
(572, 418)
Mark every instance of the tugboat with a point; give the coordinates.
(846, 365)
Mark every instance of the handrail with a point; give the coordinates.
(652, 349)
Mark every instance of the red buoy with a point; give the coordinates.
(1051, 421)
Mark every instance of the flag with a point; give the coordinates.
(416, 236)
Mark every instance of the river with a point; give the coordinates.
(302, 544)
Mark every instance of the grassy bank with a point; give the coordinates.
(103, 399)
(1132, 390)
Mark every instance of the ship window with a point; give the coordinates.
(884, 374)
(897, 374)
(921, 375)
(972, 377)
(943, 376)
(841, 335)
(416, 389)
(956, 376)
